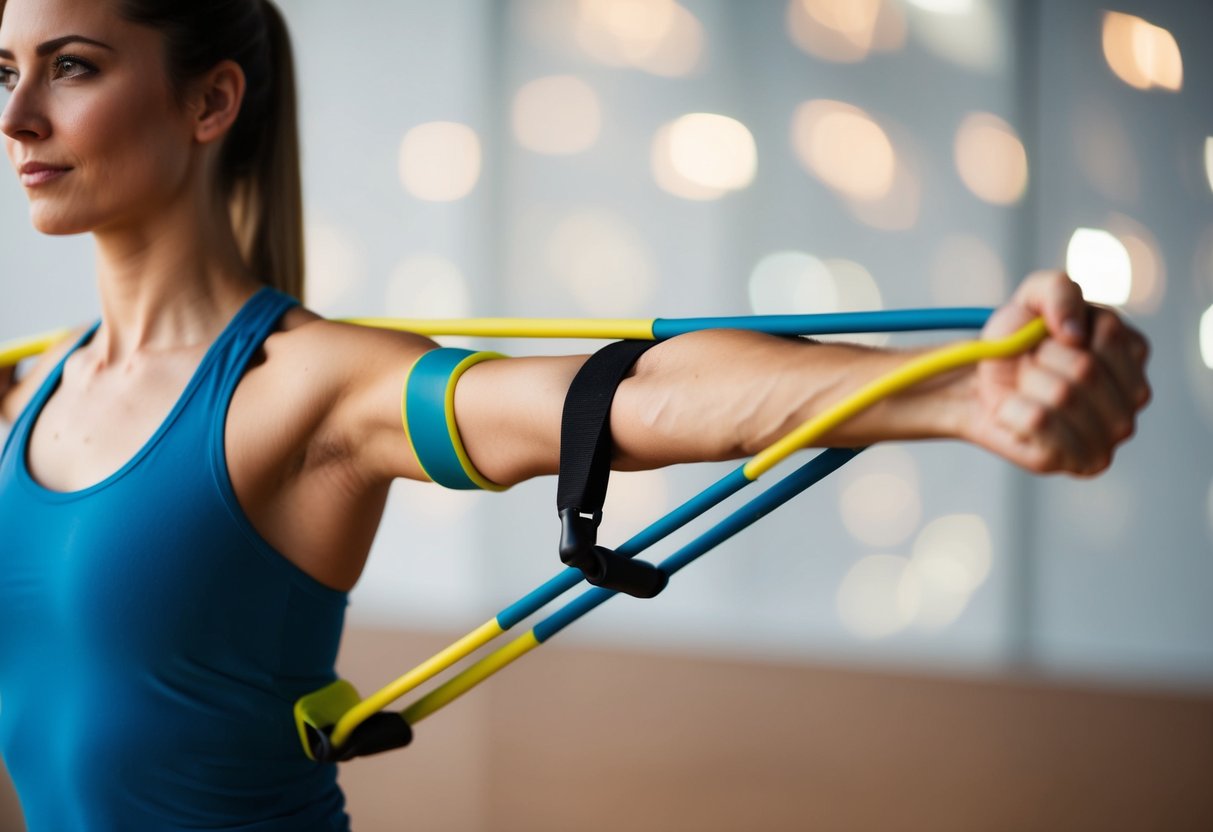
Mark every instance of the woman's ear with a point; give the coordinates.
(215, 101)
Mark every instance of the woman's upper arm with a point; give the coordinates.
(362, 371)
(508, 414)
(507, 411)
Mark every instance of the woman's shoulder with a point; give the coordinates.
(317, 363)
(305, 335)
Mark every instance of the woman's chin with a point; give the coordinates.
(57, 223)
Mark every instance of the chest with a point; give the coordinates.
(95, 423)
(95, 426)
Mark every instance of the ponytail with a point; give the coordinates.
(267, 195)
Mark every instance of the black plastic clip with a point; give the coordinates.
(380, 732)
(601, 566)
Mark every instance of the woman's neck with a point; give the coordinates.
(168, 281)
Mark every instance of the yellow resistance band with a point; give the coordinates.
(914, 371)
(13, 351)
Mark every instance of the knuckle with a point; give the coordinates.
(1084, 367)
(1061, 395)
(1035, 416)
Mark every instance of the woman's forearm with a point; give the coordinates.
(727, 394)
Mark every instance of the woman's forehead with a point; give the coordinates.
(25, 24)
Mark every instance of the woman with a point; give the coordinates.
(174, 564)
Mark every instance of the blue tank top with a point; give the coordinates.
(152, 643)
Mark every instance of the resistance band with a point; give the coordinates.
(13, 351)
(328, 719)
(660, 329)
(341, 698)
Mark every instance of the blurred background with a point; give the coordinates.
(929, 639)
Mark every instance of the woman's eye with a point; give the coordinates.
(67, 66)
(8, 79)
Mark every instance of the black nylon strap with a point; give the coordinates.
(585, 467)
(585, 434)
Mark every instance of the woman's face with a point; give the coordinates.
(84, 93)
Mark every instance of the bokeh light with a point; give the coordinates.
(939, 603)
(792, 283)
(857, 292)
(703, 156)
(1141, 54)
(1099, 263)
(877, 597)
(713, 151)
(634, 26)
(666, 174)
(680, 52)
(427, 286)
(966, 271)
(603, 262)
(1206, 337)
(991, 159)
(335, 265)
(944, 6)
(1146, 262)
(973, 34)
(1209, 161)
(440, 161)
(657, 36)
(898, 209)
(845, 148)
(880, 502)
(845, 31)
(954, 551)
(559, 114)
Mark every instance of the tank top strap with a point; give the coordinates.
(247, 332)
(244, 336)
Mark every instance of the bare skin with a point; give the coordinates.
(313, 437)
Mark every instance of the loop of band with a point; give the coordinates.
(427, 409)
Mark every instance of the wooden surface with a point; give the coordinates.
(610, 740)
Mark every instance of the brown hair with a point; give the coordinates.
(259, 167)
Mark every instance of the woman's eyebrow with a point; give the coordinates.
(51, 45)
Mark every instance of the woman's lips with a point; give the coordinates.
(41, 177)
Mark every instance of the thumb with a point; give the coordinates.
(1006, 320)
(1051, 295)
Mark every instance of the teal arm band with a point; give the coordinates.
(427, 409)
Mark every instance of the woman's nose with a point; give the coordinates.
(22, 117)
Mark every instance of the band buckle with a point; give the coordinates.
(601, 566)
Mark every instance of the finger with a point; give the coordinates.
(1124, 351)
(1053, 296)
(1069, 402)
(1103, 399)
(1044, 441)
